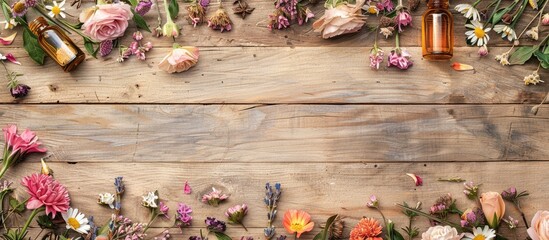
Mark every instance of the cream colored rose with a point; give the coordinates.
(493, 207)
(441, 233)
(340, 20)
(179, 59)
(539, 229)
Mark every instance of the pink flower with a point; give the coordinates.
(183, 216)
(25, 143)
(106, 22)
(403, 19)
(373, 203)
(45, 191)
(187, 189)
(163, 208)
(400, 59)
(376, 57)
(483, 51)
(179, 59)
(417, 180)
(214, 197)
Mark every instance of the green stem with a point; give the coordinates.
(31, 217)
(476, 3)
(397, 40)
(242, 224)
(516, 18)
(5, 164)
(167, 9)
(154, 216)
(498, 2)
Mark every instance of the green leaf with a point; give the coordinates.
(522, 54)
(222, 236)
(45, 222)
(140, 22)
(30, 43)
(543, 59)
(173, 8)
(17, 206)
(324, 234)
(498, 15)
(90, 47)
(134, 3)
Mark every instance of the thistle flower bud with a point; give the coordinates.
(105, 48)
(19, 91)
(143, 7)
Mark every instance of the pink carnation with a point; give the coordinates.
(45, 191)
(25, 143)
(106, 22)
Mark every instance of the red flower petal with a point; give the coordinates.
(12, 59)
(8, 40)
(417, 180)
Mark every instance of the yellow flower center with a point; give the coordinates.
(372, 10)
(479, 32)
(296, 227)
(479, 237)
(75, 224)
(19, 7)
(56, 10)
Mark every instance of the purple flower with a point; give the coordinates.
(403, 19)
(197, 238)
(183, 216)
(105, 48)
(473, 218)
(163, 208)
(140, 54)
(19, 9)
(134, 46)
(215, 225)
(143, 7)
(400, 58)
(19, 91)
(387, 5)
(30, 3)
(509, 194)
(373, 203)
(204, 3)
(119, 185)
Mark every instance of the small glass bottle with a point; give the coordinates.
(437, 31)
(57, 44)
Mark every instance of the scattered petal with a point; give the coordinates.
(12, 59)
(462, 67)
(8, 40)
(187, 189)
(417, 179)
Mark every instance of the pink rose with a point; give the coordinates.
(106, 22)
(540, 226)
(180, 59)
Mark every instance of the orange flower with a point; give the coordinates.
(366, 229)
(297, 221)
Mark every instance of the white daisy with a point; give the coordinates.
(9, 24)
(76, 221)
(480, 234)
(478, 34)
(56, 10)
(149, 200)
(469, 11)
(106, 199)
(506, 32)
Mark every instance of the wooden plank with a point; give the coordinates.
(321, 189)
(285, 133)
(253, 31)
(279, 75)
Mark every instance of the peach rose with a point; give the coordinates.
(539, 229)
(493, 207)
(180, 59)
(343, 19)
(106, 22)
(441, 233)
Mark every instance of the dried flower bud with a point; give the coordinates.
(19, 91)
(532, 33)
(507, 18)
(220, 21)
(143, 7)
(147, 46)
(134, 46)
(336, 231)
(215, 225)
(137, 36)
(413, 4)
(387, 31)
(533, 79)
(545, 19)
(483, 51)
(373, 203)
(386, 22)
(237, 213)
(105, 48)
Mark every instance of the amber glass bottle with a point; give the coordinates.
(57, 44)
(437, 31)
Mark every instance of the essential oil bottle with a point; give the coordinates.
(57, 44)
(437, 31)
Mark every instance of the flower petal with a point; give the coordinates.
(461, 67)
(12, 59)
(8, 40)
(417, 180)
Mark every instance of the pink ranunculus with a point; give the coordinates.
(106, 22)
(48, 192)
(180, 59)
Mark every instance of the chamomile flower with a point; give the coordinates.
(9, 24)
(468, 11)
(480, 234)
(76, 221)
(478, 34)
(56, 9)
(506, 32)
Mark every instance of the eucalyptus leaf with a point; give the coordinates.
(222, 236)
(324, 234)
(30, 43)
(522, 54)
(173, 7)
(140, 21)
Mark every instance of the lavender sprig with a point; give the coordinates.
(271, 200)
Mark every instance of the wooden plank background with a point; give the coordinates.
(285, 106)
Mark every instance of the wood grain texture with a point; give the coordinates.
(279, 75)
(322, 189)
(285, 133)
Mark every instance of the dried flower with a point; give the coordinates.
(150, 200)
(147, 46)
(19, 9)
(183, 216)
(506, 32)
(503, 58)
(387, 31)
(220, 21)
(19, 91)
(105, 48)
(473, 218)
(30, 3)
(242, 8)
(298, 222)
(545, 19)
(143, 7)
(373, 203)
(106, 199)
(180, 59)
(215, 225)
(165, 235)
(170, 29)
(442, 206)
(196, 13)
(385, 22)
(271, 199)
(387, 5)
(532, 33)
(403, 19)
(119, 185)
(46, 191)
(417, 180)
(137, 36)
(511, 222)
(343, 19)
(376, 57)
(278, 21)
(400, 58)
(462, 67)
(336, 231)
(366, 228)
(163, 209)
(237, 213)
(214, 197)
(482, 51)
(76, 221)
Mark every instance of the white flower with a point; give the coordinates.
(468, 11)
(10, 24)
(478, 34)
(533, 33)
(56, 10)
(503, 58)
(76, 221)
(481, 234)
(441, 233)
(149, 200)
(107, 199)
(532, 79)
(506, 32)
